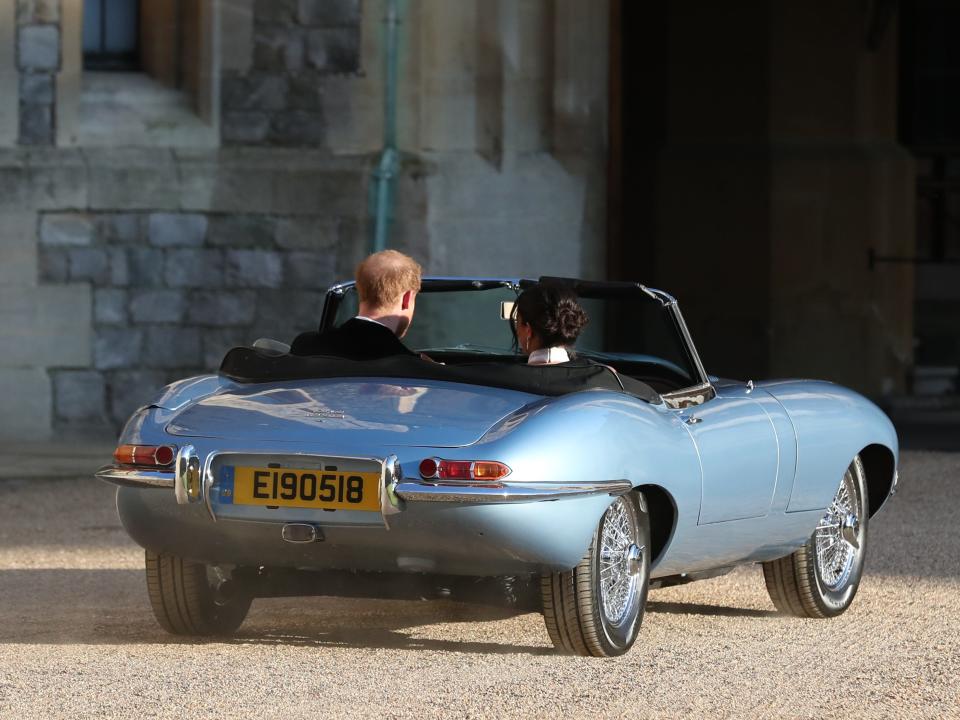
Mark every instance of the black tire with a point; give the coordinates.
(800, 585)
(573, 601)
(186, 602)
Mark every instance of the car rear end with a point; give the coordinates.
(355, 475)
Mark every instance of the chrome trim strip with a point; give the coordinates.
(515, 492)
(665, 298)
(188, 487)
(206, 483)
(136, 477)
(688, 341)
(390, 502)
(672, 398)
(342, 287)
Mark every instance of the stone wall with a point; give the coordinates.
(124, 267)
(38, 60)
(172, 292)
(296, 45)
(122, 270)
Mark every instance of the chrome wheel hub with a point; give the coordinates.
(838, 537)
(850, 530)
(634, 559)
(621, 561)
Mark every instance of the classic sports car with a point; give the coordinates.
(568, 490)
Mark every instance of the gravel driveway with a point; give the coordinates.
(77, 638)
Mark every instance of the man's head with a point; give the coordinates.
(387, 284)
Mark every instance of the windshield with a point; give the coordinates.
(633, 332)
(453, 320)
(637, 330)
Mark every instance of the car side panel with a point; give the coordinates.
(592, 435)
(833, 424)
(787, 448)
(734, 542)
(650, 445)
(604, 436)
(739, 454)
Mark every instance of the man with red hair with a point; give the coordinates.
(387, 284)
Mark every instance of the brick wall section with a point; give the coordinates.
(297, 44)
(173, 291)
(38, 59)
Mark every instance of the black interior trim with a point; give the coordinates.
(251, 365)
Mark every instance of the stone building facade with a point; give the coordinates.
(748, 157)
(151, 219)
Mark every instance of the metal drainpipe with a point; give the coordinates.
(386, 171)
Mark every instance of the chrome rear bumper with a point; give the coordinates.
(405, 490)
(136, 477)
(515, 492)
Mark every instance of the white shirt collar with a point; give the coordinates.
(548, 356)
(364, 317)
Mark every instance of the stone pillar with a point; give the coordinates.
(9, 78)
(39, 326)
(514, 77)
(38, 59)
(579, 115)
(67, 108)
(278, 97)
(448, 79)
(501, 193)
(780, 172)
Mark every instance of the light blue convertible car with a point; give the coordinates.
(567, 490)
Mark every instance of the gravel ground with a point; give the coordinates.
(77, 638)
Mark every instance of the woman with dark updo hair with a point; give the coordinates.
(548, 320)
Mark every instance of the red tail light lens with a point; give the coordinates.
(466, 470)
(145, 455)
(454, 470)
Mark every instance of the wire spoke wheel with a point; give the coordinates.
(821, 578)
(597, 608)
(836, 538)
(617, 547)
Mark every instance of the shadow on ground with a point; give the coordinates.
(110, 607)
(676, 608)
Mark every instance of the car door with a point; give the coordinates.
(739, 454)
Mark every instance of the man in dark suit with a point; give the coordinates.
(387, 286)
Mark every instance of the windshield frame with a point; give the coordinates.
(598, 289)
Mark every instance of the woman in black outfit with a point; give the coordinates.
(548, 319)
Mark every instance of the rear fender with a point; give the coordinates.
(601, 435)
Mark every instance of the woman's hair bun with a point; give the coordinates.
(554, 313)
(569, 319)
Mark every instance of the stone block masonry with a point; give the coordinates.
(172, 291)
(297, 45)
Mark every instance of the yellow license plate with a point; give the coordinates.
(321, 489)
